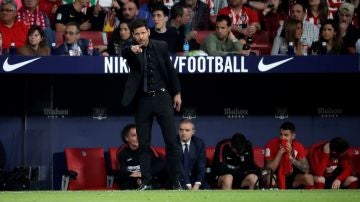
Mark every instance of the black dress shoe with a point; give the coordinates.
(177, 186)
(143, 187)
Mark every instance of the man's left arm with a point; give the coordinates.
(301, 164)
(173, 79)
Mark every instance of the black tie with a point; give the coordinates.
(145, 87)
(186, 159)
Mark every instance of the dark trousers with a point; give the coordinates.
(161, 107)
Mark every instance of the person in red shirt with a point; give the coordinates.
(12, 30)
(245, 21)
(286, 157)
(330, 164)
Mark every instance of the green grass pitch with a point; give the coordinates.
(184, 196)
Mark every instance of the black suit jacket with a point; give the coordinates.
(197, 161)
(136, 64)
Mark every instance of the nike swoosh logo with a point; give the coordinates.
(8, 67)
(266, 67)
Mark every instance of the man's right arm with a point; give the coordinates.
(60, 19)
(273, 164)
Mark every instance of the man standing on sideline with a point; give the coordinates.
(193, 158)
(154, 88)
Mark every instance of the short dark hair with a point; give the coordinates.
(288, 126)
(73, 24)
(177, 11)
(125, 131)
(137, 23)
(239, 142)
(223, 17)
(160, 7)
(338, 145)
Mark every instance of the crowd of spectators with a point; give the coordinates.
(322, 24)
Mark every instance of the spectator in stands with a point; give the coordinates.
(356, 17)
(146, 11)
(200, 15)
(161, 32)
(310, 32)
(128, 157)
(286, 157)
(291, 33)
(234, 165)
(330, 165)
(73, 13)
(179, 17)
(118, 38)
(35, 44)
(74, 45)
(330, 34)
(129, 11)
(218, 5)
(193, 157)
(245, 21)
(105, 19)
(223, 41)
(12, 30)
(50, 7)
(350, 34)
(30, 14)
(318, 11)
(271, 17)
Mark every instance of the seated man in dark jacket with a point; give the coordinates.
(193, 157)
(128, 157)
(234, 165)
(74, 45)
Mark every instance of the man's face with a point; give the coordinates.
(186, 131)
(222, 30)
(129, 10)
(141, 36)
(287, 135)
(71, 34)
(345, 18)
(7, 14)
(297, 12)
(186, 18)
(159, 19)
(132, 139)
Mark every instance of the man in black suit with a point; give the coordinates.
(154, 88)
(193, 157)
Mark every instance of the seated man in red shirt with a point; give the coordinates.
(286, 157)
(245, 21)
(12, 30)
(330, 164)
